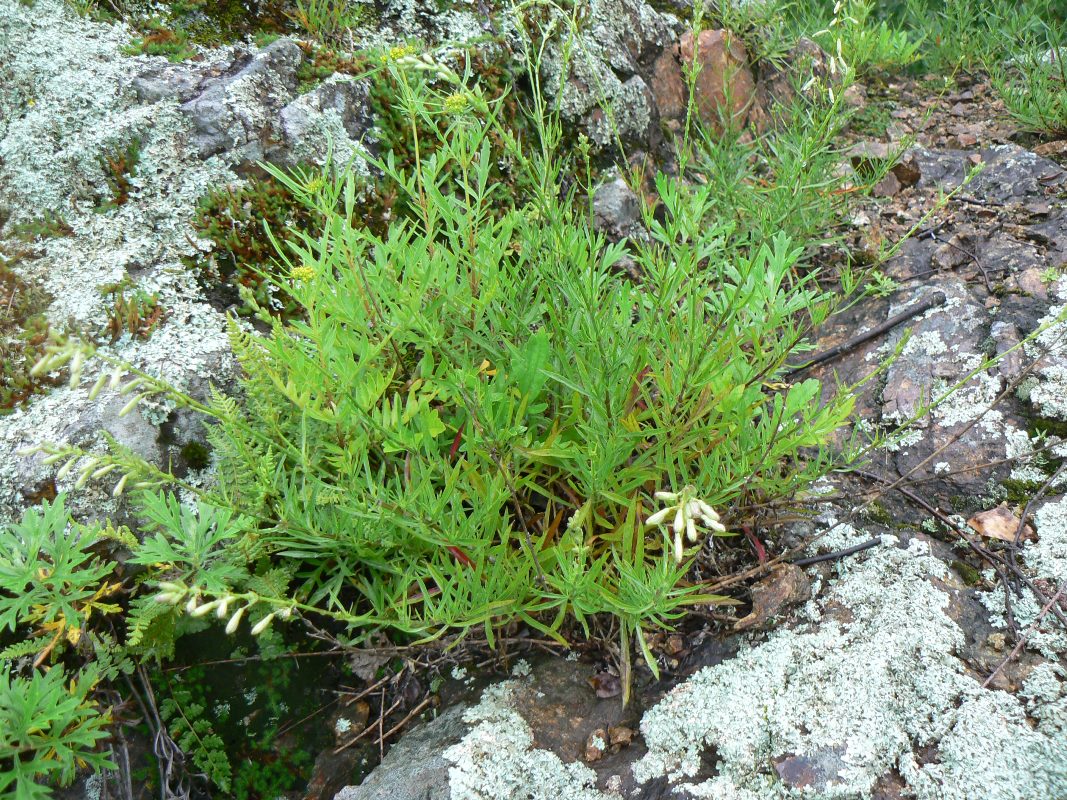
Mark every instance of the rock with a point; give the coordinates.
(177, 82)
(887, 186)
(415, 768)
(724, 89)
(603, 87)
(907, 170)
(616, 209)
(334, 112)
(595, 746)
(818, 772)
(235, 111)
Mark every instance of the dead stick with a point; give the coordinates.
(1026, 634)
(933, 301)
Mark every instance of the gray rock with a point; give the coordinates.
(415, 769)
(616, 209)
(602, 88)
(236, 112)
(170, 82)
(338, 109)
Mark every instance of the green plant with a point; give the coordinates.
(51, 585)
(119, 166)
(1034, 90)
(867, 44)
(326, 20)
(162, 40)
(49, 727)
(186, 721)
(49, 579)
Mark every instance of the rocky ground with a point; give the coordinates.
(883, 672)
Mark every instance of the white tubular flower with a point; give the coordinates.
(223, 608)
(193, 604)
(205, 609)
(235, 620)
(170, 598)
(120, 486)
(262, 625)
(688, 511)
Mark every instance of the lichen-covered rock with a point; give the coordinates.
(416, 768)
(234, 112)
(335, 114)
(603, 86)
(616, 208)
(841, 702)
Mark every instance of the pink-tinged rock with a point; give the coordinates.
(724, 89)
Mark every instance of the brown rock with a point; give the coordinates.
(888, 186)
(723, 90)
(785, 586)
(907, 170)
(620, 735)
(596, 745)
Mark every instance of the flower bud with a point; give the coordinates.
(204, 609)
(98, 386)
(262, 625)
(235, 620)
(120, 486)
(659, 517)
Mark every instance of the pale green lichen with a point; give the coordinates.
(872, 692)
(497, 759)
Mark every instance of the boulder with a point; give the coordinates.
(234, 112)
(724, 90)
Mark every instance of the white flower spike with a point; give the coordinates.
(687, 511)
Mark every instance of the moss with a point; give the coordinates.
(1042, 426)
(1019, 492)
(969, 575)
(196, 455)
(119, 165)
(876, 512)
(235, 221)
(23, 333)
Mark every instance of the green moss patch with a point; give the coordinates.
(23, 334)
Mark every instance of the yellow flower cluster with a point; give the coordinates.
(456, 102)
(398, 52)
(303, 273)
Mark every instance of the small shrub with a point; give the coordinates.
(327, 20)
(119, 166)
(24, 332)
(1034, 90)
(137, 315)
(471, 416)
